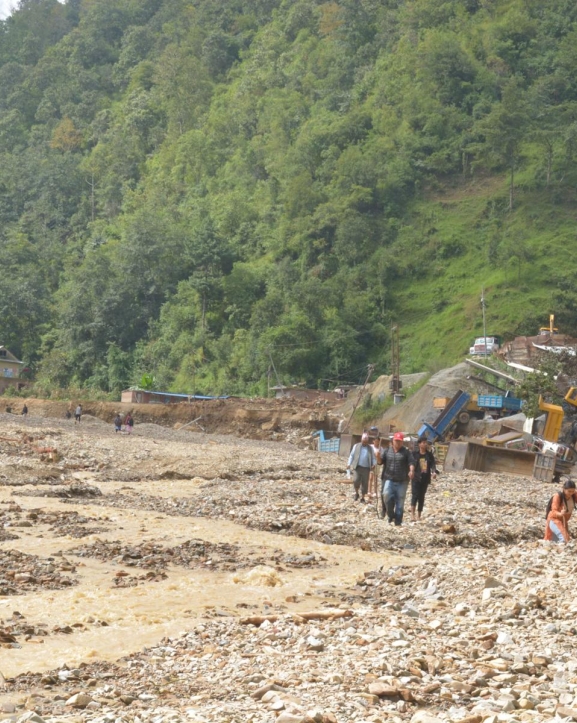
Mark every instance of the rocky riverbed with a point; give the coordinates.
(182, 576)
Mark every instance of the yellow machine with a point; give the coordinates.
(571, 396)
(551, 329)
(554, 421)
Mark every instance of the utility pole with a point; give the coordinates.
(484, 320)
(278, 381)
(395, 384)
(370, 369)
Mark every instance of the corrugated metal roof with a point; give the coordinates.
(176, 394)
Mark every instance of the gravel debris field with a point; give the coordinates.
(223, 579)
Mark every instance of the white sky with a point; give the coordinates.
(5, 7)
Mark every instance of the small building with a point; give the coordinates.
(10, 369)
(142, 396)
(10, 366)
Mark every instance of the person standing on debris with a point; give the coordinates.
(25, 410)
(398, 469)
(117, 423)
(78, 414)
(361, 460)
(128, 423)
(373, 477)
(425, 468)
(559, 511)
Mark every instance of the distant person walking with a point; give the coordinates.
(24, 410)
(398, 469)
(361, 460)
(78, 414)
(128, 423)
(425, 468)
(117, 423)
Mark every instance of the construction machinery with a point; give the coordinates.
(500, 405)
(571, 396)
(327, 444)
(549, 330)
(447, 418)
(554, 420)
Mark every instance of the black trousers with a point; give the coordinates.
(418, 492)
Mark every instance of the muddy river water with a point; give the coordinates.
(139, 616)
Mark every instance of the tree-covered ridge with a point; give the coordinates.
(197, 190)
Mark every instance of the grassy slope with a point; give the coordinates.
(439, 311)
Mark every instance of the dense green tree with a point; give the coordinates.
(191, 190)
(504, 129)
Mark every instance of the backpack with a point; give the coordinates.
(550, 504)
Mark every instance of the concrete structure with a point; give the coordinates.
(140, 396)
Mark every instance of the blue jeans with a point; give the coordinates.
(394, 494)
(557, 534)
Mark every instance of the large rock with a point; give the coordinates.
(383, 690)
(79, 700)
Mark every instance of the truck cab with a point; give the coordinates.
(478, 348)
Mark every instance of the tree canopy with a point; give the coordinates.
(197, 191)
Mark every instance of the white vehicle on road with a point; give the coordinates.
(478, 348)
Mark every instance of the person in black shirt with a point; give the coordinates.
(425, 468)
(398, 469)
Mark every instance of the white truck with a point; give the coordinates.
(478, 348)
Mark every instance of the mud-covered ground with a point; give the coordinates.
(173, 575)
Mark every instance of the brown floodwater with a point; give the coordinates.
(140, 616)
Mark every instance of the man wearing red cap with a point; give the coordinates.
(398, 469)
(361, 461)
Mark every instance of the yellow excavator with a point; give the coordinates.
(571, 396)
(554, 420)
(551, 329)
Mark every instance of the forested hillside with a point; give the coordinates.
(196, 190)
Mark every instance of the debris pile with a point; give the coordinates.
(470, 635)
(460, 510)
(475, 623)
(21, 573)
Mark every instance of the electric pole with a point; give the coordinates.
(370, 369)
(278, 381)
(395, 384)
(484, 321)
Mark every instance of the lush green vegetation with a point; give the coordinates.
(372, 408)
(198, 190)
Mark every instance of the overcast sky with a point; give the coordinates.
(5, 7)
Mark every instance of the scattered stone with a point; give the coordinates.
(79, 700)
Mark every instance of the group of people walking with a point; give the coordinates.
(125, 424)
(399, 467)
